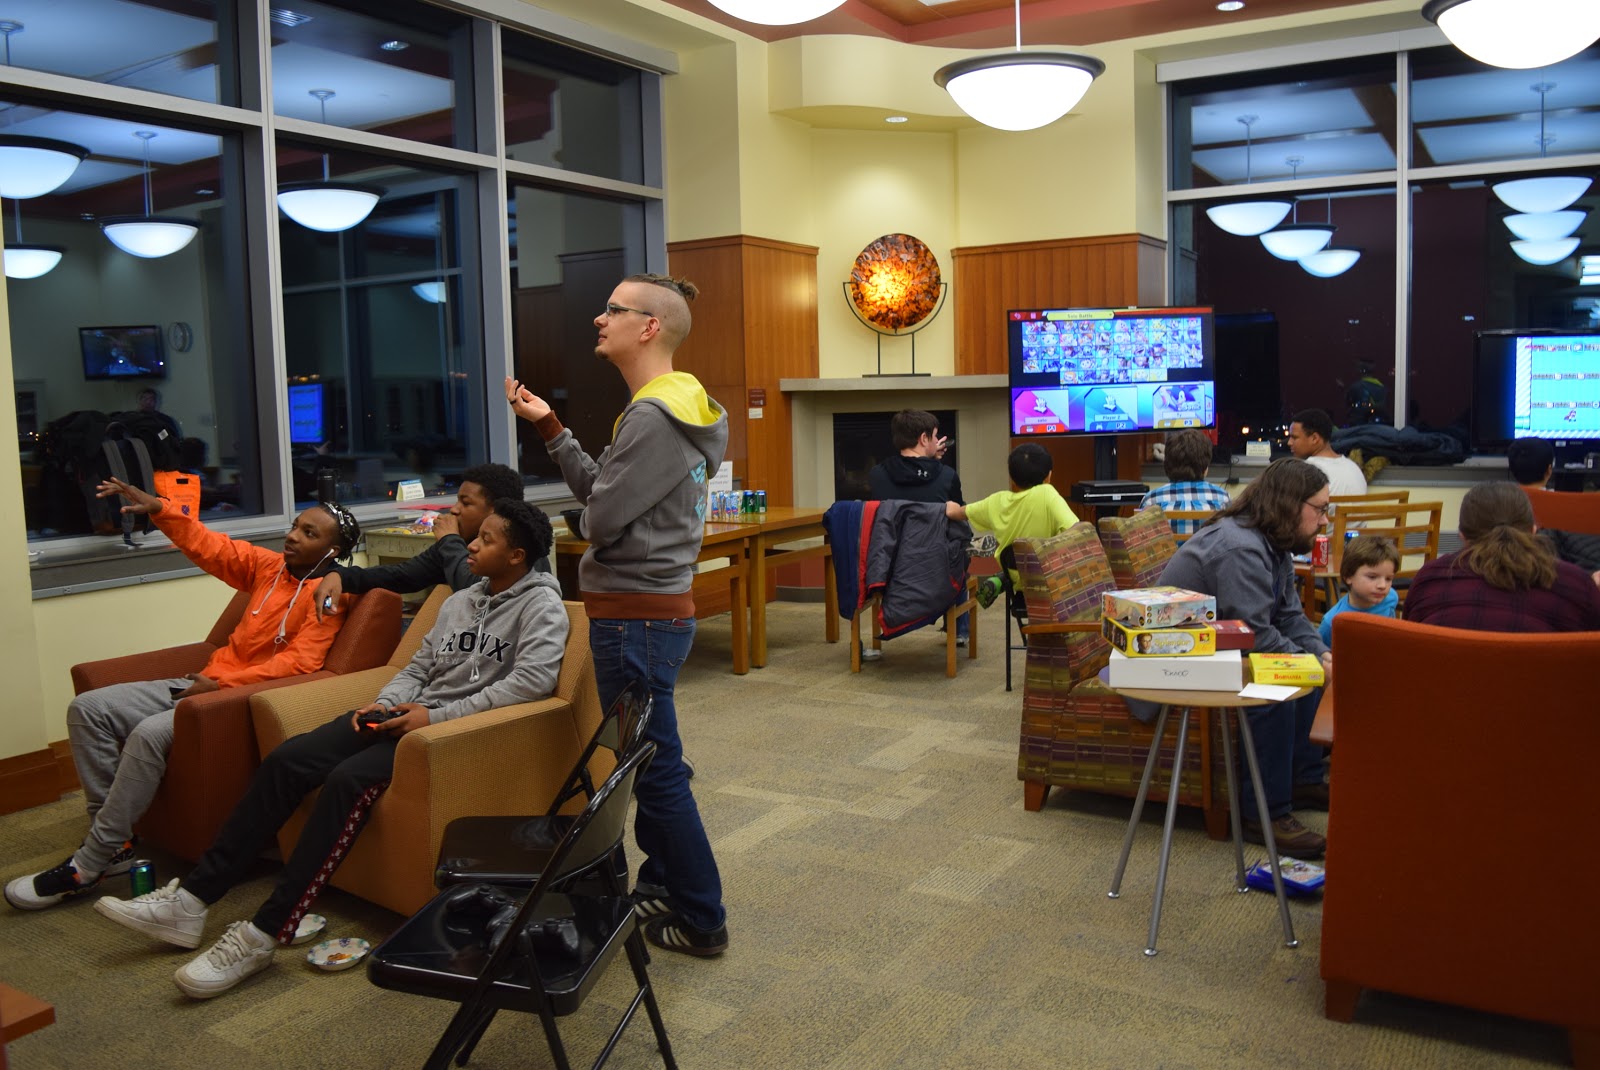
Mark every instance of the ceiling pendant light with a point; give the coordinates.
(1248, 218)
(149, 235)
(1019, 90)
(29, 261)
(33, 166)
(1331, 261)
(1544, 226)
(1541, 193)
(327, 206)
(777, 12)
(1516, 33)
(1297, 240)
(431, 292)
(1545, 252)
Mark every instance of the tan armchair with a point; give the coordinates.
(214, 751)
(507, 761)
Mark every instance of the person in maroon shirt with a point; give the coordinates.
(1504, 579)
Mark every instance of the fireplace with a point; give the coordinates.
(861, 440)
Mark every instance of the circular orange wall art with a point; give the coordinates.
(895, 282)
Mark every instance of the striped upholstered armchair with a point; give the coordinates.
(1076, 732)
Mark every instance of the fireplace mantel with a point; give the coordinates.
(897, 383)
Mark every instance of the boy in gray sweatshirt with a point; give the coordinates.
(496, 643)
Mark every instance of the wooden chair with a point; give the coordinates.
(1372, 497)
(214, 751)
(511, 760)
(1177, 518)
(1413, 526)
(1432, 714)
(968, 605)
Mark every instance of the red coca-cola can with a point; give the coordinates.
(1320, 555)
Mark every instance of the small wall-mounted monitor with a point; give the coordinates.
(305, 413)
(1101, 371)
(122, 353)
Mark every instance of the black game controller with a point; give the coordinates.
(374, 718)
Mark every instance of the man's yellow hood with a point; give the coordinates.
(683, 396)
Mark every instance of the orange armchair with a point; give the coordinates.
(214, 743)
(1566, 511)
(1494, 734)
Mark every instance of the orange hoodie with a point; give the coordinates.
(255, 650)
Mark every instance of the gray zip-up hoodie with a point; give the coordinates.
(645, 497)
(487, 651)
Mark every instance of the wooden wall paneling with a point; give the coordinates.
(714, 350)
(781, 342)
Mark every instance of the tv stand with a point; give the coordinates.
(1106, 494)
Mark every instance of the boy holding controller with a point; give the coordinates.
(1368, 569)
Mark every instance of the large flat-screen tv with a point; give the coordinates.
(1101, 371)
(1536, 384)
(122, 353)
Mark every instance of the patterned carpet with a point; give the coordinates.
(890, 903)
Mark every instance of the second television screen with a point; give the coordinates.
(1104, 371)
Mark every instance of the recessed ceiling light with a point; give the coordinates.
(1230, 5)
(895, 119)
(284, 17)
(395, 46)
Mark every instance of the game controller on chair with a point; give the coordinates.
(373, 718)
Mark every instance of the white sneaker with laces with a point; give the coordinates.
(170, 913)
(242, 951)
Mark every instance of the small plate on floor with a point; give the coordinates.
(310, 927)
(340, 954)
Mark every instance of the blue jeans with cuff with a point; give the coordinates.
(677, 853)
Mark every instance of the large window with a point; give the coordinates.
(1387, 336)
(389, 331)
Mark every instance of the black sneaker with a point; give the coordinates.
(122, 861)
(671, 934)
(40, 890)
(650, 903)
(989, 589)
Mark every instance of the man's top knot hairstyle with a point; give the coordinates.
(527, 527)
(349, 529)
(677, 283)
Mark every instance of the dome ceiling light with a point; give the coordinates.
(33, 166)
(29, 261)
(1517, 33)
(1544, 226)
(777, 12)
(1542, 193)
(1248, 218)
(1019, 90)
(1297, 240)
(148, 235)
(327, 206)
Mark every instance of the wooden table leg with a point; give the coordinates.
(758, 601)
(737, 584)
(830, 597)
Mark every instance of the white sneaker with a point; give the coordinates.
(170, 913)
(242, 951)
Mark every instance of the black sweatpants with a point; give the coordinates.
(352, 768)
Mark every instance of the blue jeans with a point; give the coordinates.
(1285, 754)
(677, 854)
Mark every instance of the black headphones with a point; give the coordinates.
(349, 528)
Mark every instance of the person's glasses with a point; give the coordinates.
(1324, 510)
(616, 310)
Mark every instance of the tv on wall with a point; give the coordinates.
(1101, 371)
(1536, 384)
(122, 353)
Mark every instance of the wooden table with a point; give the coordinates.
(779, 527)
(20, 1014)
(722, 542)
(1312, 580)
(1188, 701)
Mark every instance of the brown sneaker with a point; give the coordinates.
(1292, 838)
(1311, 797)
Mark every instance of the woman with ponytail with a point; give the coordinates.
(1505, 579)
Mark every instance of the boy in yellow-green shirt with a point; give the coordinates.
(1035, 510)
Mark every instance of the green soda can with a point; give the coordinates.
(142, 877)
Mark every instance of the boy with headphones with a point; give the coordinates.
(121, 734)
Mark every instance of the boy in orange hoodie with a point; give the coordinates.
(121, 734)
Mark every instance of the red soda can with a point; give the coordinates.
(1320, 555)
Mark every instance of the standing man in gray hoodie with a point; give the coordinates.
(644, 519)
(496, 643)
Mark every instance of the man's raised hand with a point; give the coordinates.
(138, 501)
(524, 402)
